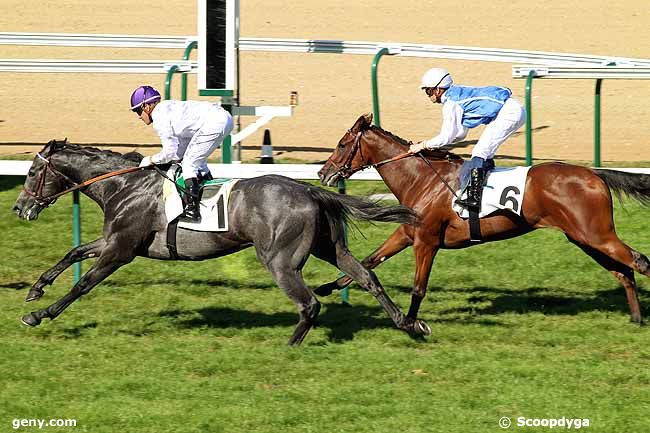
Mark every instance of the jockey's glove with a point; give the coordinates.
(146, 161)
(417, 147)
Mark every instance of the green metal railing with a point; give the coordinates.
(529, 119)
(598, 73)
(375, 88)
(76, 231)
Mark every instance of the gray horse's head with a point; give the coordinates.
(43, 181)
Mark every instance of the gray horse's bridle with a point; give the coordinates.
(46, 201)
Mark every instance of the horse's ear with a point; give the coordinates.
(362, 122)
(54, 145)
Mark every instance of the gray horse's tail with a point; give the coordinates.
(634, 185)
(339, 209)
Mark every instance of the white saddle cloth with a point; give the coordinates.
(504, 189)
(214, 210)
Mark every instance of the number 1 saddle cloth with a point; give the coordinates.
(213, 208)
(504, 189)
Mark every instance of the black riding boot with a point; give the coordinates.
(474, 190)
(205, 177)
(191, 210)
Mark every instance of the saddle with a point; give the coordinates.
(213, 194)
(503, 189)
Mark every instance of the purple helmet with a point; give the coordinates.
(143, 95)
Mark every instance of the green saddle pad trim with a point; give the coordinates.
(180, 181)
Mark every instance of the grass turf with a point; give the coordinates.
(529, 327)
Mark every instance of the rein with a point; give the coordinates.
(346, 169)
(49, 200)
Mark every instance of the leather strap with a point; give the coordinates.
(474, 227)
(172, 227)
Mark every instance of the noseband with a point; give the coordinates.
(41, 200)
(346, 170)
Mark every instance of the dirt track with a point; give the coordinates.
(335, 89)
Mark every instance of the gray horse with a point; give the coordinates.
(284, 219)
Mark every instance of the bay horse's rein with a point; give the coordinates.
(49, 200)
(346, 168)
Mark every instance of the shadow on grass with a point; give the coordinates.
(17, 285)
(343, 321)
(539, 300)
(174, 283)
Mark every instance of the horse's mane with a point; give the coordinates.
(430, 153)
(104, 155)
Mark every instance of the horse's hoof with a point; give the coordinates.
(421, 327)
(31, 320)
(34, 294)
(326, 289)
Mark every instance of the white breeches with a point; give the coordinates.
(510, 118)
(217, 126)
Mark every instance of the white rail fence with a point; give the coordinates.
(286, 45)
(232, 171)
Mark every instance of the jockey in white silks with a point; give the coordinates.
(189, 132)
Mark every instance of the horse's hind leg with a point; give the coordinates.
(77, 254)
(621, 261)
(290, 280)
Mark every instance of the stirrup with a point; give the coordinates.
(469, 205)
(191, 213)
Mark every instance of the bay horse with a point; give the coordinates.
(285, 220)
(573, 199)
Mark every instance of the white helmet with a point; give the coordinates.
(436, 77)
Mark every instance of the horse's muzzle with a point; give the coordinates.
(29, 214)
(328, 176)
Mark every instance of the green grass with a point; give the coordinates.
(527, 327)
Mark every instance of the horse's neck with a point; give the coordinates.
(81, 167)
(405, 176)
(396, 174)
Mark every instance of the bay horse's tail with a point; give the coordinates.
(634, 185)
(339, 209)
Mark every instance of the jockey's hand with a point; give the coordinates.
(417, 147)
(146, 162)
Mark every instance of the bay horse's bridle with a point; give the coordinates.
(346, 170)
(46, 201)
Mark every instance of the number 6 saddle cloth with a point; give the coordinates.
(504, 189)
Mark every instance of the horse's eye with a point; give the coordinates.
(30, 173)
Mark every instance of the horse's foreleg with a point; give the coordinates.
(347, 263)
(391, 246)
(425, 252)
(82, 252)
(109, 261)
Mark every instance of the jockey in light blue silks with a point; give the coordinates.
(189, 132)
(467, 107)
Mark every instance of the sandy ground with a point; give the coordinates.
(335, 89)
